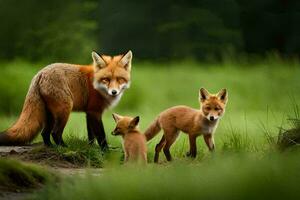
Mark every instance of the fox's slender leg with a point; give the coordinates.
(167, 151)
(193, 147)
(97, 129)
(59, 125)
(47, 129)
(209, 140)
(101, 138)
(170, 139)
(60, 109)
(91, 135)
(158, 148)
(126, 157)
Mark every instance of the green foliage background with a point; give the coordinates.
(157, 30)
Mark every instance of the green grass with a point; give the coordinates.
(16, 175)
(80, 153)
(224, 176)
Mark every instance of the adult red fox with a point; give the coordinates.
(60, 88)
(134, 143)
(191, 121)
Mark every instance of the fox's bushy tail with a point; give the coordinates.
(31, 119)
(153, 129)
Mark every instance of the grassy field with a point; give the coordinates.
(262, 96)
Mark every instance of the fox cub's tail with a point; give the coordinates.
(153, 129)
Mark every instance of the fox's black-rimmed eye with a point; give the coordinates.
(121, 80)
(218, 109)
(105, 80)
(208, 108)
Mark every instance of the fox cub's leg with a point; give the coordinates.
(144, 158)
(171, 136)
(96, 129)
(48, 129)
(193, 147)
(158, 148)
(210, 142)
(126, 156)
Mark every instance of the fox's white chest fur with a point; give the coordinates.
(208, 129)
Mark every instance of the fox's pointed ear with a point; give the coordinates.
(116, 117)
(223, 95)
(134, 122)
(203, 94)
(126, 60)
(98, 61)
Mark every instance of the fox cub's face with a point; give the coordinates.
(112, 74)
(213, 105)
(124, 124)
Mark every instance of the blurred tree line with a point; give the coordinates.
(68, 30)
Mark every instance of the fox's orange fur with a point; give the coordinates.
(134, 143)
(60, 88)
(191, 121)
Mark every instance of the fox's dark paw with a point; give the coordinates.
(64, 145)
(49, 145)
(104, 149)
(191, 155)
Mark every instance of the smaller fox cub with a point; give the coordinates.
(134, 143)
(191, 121)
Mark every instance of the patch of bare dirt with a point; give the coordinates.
(9, 193)
(38, 154)
(18, 195)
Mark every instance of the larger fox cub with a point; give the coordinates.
(134, 143)
(191, 121)
(60, 88)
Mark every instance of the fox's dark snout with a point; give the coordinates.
(114, 92)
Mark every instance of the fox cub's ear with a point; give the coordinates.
(99, 63)
(134, 122)
(203, 94)
(126, 60)
(116, 117)
(223, 95)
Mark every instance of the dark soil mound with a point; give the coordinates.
(289, 138)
